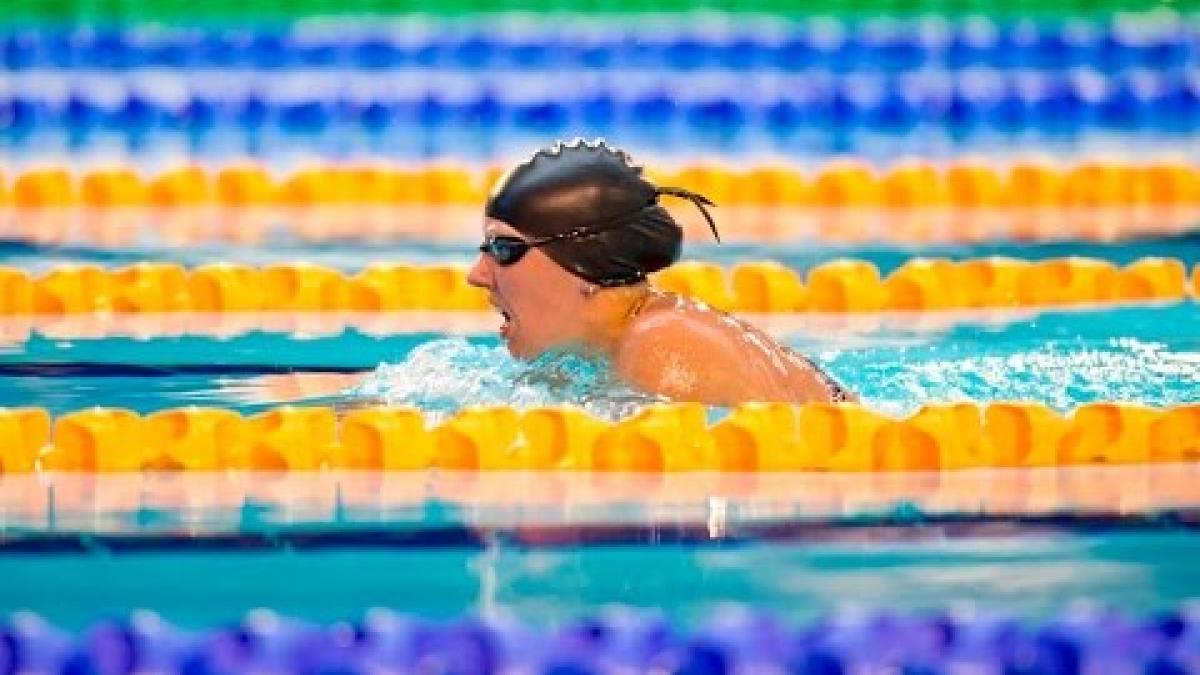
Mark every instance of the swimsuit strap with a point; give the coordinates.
(837, 393)
(639, 305)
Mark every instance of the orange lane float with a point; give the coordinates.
(974, 184)
(99, 440)
(42, 188)
(150, 287)
(16, 291)
(245, 186)
(846, 200)
(285, 439)
(192, 439)
(845, 286)
(185, 186)
(226, 287)
(24, 432)
(845, 184)
(994, 281)
(389, 439)
(662, 438)
(925, 284)
(767, 287)
(912, 183)
(112, 188)
(73, 289)
(703, 281)
(838, 286)
(771, 185)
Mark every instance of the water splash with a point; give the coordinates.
(1061, 373)
(445, 375)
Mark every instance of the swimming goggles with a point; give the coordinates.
(506, 250)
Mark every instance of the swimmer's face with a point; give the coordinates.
(542, 304)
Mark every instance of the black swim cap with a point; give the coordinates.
(587, 206)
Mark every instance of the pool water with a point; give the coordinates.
(522, 545)
(1032, 575)
(895, 363)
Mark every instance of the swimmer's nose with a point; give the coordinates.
(481, 273)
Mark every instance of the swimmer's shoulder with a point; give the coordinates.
(683, 351)
(672, 321)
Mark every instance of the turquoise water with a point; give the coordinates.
(444, 375)
(1031, 575)
(1147, 354)
(1144, 354)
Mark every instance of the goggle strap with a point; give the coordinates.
(591, 230)
(588, 230)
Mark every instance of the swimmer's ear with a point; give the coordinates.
(696, 198)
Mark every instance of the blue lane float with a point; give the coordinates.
(432, 89)
(1062, 103)
(1163, 41)
(735, 639)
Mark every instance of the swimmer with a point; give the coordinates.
(570, 239)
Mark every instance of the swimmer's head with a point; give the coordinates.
(572, 221)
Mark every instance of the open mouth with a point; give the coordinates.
(506, 324)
